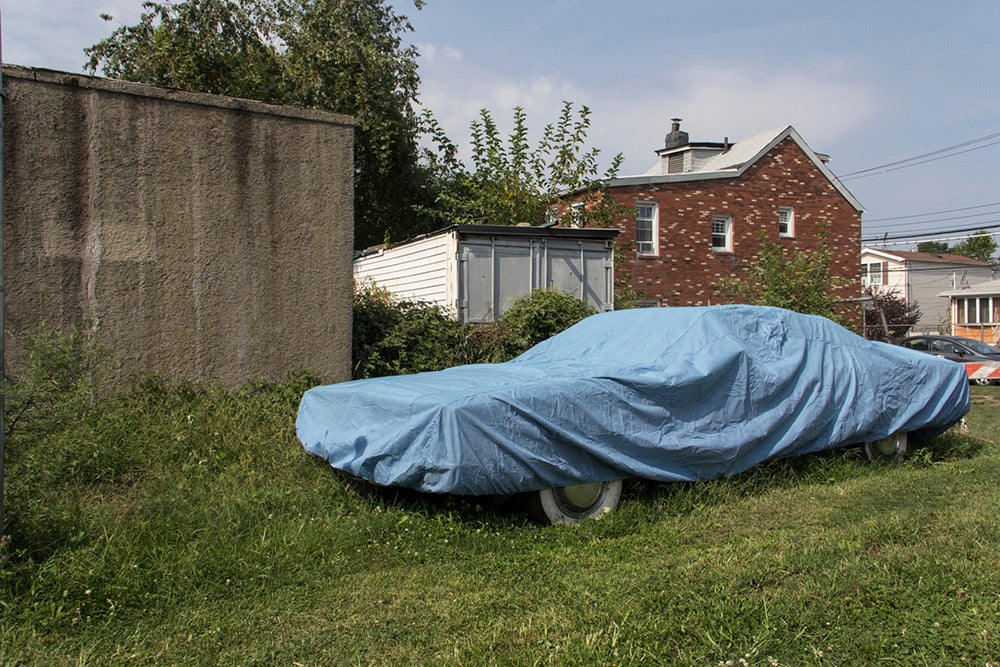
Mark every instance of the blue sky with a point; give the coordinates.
(868, 83)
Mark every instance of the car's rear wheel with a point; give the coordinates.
(892, 448)
(570, 504)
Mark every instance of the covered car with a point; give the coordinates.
(666, 394)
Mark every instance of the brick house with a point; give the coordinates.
(700, 210)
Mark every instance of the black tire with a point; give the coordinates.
(893, 448)
(570, 504)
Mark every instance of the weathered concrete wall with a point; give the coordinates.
(200, 237)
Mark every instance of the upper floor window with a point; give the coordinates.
(576, 214)
(722, 233)
(786, 221)
(645, 228)
(872, 274)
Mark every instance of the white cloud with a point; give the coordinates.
(716, 100)
(431, 53)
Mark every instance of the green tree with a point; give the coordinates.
(340, 55)
(981, 246)
(935, 247)
(510, 182)
(798, 280)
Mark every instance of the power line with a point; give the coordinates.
(932, 234)
(931, 157)
(922, 215)
(935, 220)
(914, 240)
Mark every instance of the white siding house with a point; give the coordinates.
(921, 277)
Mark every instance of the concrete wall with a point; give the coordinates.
(199, 237)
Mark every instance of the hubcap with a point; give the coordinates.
(886, 446)
(579, 497)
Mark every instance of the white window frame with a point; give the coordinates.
(647, 246)
(552, 215)
(867, 274)
(576, 214)
(786, 219)
(973, 307)
(726, 224)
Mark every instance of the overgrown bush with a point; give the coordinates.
(56, 380)
(399, 337)
(541, 315)
(54, 384)
(395, 338)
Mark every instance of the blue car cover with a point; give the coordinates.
(663, 394)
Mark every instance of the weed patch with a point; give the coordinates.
(185, 524)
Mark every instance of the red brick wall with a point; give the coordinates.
(686, 270)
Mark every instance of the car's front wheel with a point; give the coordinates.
(570, 504)
(892, 448)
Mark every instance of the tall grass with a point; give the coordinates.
(184, 524)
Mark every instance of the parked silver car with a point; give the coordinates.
(956, 348)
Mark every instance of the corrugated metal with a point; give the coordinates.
(494, 271)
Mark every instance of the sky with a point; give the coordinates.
(905, 91)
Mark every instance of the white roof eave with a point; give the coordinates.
(778, 136)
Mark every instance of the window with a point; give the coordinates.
(872, 274)
(576, 214)
(552, 215)
(978, 310)
(648, 303)
(722, 233)
(645, 228)
(786, 221)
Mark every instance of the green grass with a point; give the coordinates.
(186, 525)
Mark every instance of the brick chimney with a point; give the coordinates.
(676, 138)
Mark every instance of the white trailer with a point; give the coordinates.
(475, 271)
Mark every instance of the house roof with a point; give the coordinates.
(930, 257)
(990, 287)
(463, 230)
(735, 161)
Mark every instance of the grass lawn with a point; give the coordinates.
(183, 525)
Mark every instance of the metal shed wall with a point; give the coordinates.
(476, 271)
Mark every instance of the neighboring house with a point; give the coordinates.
(975, 311)
(701, 210)
(475, 271)
(920, 277)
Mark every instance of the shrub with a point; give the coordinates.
(542, 314)
(56, 380)
(55, 384)
(399, 337)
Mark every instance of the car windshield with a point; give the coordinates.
(981, 348)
